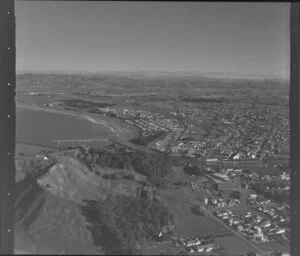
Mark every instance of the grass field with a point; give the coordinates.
(157, 249)
(188, 223)
(274, 245)
(181, 202)
(234, 245)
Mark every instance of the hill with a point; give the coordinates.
(56, 195)
(45, 223)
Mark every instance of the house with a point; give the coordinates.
(214, 201)
(205, 247)
(231, 203)
(191, 250)
(200, 249)
(198, 243)
(191, 243)
(253, 196)
(286, 254)
(209, 247)
(280, 231)
(222, 204)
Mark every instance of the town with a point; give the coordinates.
(244, 151)
(223, 131)
(234, 156)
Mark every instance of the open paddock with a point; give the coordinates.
(234, 245)
(187, 223)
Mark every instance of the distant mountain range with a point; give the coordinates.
(227, 75)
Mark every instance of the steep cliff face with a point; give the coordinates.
(72, 180)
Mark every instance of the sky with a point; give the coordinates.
(239, 38)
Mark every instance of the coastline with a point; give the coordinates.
(117, 128)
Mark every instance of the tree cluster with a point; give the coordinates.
(145, 140)
(156, 166)
(129, 221)
(267, 189)
(194, 170)
(36, 167)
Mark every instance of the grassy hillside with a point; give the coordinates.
(49, 224)
(72, 201)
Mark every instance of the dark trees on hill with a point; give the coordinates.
(155, 166)
(129, 220)
(36, 167)
(194, 170)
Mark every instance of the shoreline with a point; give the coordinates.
(117, 129)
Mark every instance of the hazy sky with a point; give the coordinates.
(170, 36)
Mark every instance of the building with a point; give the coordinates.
(212, 162)
(252, 196)
(205, 247)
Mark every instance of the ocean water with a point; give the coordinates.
(40, 127)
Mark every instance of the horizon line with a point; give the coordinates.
(171, 72)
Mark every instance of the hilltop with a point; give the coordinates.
(55, 196)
